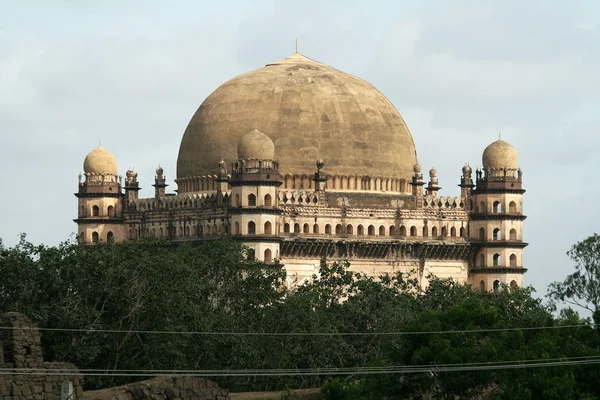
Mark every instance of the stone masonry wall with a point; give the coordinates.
(29, 377)
(165, 388)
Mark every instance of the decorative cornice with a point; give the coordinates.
(497, 216)
(498, 270)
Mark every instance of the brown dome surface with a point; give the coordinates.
(100, 161)
(310, 111)
(500, 155)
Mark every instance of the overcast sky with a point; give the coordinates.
(132, 73)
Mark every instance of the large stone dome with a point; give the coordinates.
(310, 111)
(100, 161)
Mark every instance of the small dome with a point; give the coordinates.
(432, 173)
(500, 155)
(417, 168)
(256, 144)
(159, 170)
(100, 161)
(467, 169)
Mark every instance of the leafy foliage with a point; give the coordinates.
(582, 287)
(144, 286)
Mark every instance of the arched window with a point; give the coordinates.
(161, 232)
(349, 230)
(296, 228)
(413, 231)
(513, 234)
(328, 229)
(201, 230)
(444, 231)
(181, 231)
(110, 237)
(434, 232)
(82, 211)
(251, 228)
(497, 260)
(110, 211)
(481, 234)
(513, 284)
(338, 229)
(251, 255)
(316, 228)
(482, 286)
(497, 286)
(95, 237)
(267, 200)
(306, 228)
(214, 230)
(497, 235)
(187, 230)
(267, 228)
(381, 230)
(286, 228)
(482, 207)
(193, 230)
(482, 260)
(453, 232)
(512, 207)
(95, 211)
(236, 200)
(462, 231)
(425, 231)
(393, 230)
(236, 228)
(371, 230)
(360, 230)
(513, 260)
(497, 207)
(251, 200)
(402, 230)
(268, 257)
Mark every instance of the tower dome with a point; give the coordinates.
(100, 161)
(256, 144)
(500, 155)
(310, 111)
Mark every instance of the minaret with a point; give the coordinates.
(417, 181)
(159, 183)
(466, 182)
(255, 181)
(132, 186)
(496, 220)
(100, 205)
(433, 186)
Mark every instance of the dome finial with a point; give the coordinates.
(296, 45)
(499, 136)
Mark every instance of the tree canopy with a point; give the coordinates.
(140, 287)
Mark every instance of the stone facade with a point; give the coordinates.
(369, 205)
(30, 378)
(167, 388)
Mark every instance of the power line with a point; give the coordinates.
(293, 372)
(486, 363)
(494, 365)
(216, 333)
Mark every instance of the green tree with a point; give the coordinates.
(582, 287)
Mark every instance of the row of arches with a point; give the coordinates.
(371, 230)
(496, 285)
(96, 212)
(497, 207)
(497, 260)
(339, 182)
(497, 234)
(110, 237)
(267, 200)
(182, 231)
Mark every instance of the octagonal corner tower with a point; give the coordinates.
(311, 111)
